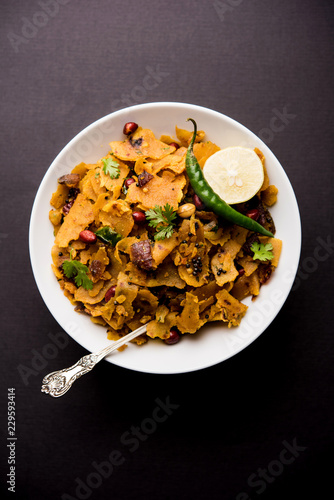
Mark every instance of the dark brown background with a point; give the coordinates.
(249, 60)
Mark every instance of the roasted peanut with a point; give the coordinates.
(110, 293)
(174, 337)
(139, 217)
(128, 182)
(186, 210)
(87, 236)
(198, 202)
(130, 128)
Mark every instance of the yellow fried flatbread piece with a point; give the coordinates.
(158, 191)
(141, 143)
(79, 217)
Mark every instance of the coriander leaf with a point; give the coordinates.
(159, 215)
(162, 219)
(81, 279)
(74, 268)
(69, 268)
(108, 235)
(261, 251)
(164, 232)
(111, 167)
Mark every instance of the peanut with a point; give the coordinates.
(186, 210)
(87, 236)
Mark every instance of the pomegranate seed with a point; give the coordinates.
(253, 214)
(173, 338)
(198, 202)
(241, 271)
(129, 128)
(87, 236)
(110, 293)
(139, 217)
(175, 144)
(128, 182)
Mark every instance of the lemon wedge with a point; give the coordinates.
(235, 174)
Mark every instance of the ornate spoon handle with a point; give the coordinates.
(59, 382)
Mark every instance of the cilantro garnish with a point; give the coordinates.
(262, 251)
(164, 232)
(74, 268)
(108, 235)
(162, 219)
(111, 167)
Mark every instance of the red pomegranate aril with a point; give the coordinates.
(110, 293)
(87, 236)
(198, 202)
(173, 338)
(128, 182)
(139, 217)
(174, 144)
(253, 213)
(129, 128)
(241, 271)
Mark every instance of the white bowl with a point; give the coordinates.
(215, 342)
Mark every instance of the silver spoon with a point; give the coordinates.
(59, 382)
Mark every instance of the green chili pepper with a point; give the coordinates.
(211, 199)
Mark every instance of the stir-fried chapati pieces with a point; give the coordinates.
(135, 244)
